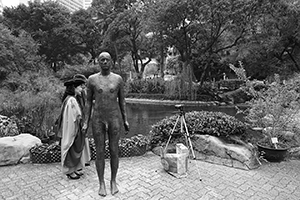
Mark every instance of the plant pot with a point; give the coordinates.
(272, 154)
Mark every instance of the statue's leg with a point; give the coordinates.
(99, 131)
(114, 136)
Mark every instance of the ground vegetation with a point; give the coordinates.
(42, 44)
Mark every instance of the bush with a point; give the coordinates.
(35, 102)
(176, 89)
(198, 122)
(148, 86)
(179, 89)
(70, 70)
(276, 110)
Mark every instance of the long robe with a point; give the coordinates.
(86, 153)
(72, 142)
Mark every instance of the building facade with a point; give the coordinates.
(87, 3)
(1, 7)
(72, 5)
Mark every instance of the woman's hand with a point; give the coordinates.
(126, 126)
(84, 128)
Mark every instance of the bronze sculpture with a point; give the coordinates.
(106, 103)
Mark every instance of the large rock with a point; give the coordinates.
(294, 153)
(15, 149)
(212, 149)
(234, 97)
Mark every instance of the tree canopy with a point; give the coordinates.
(17, 54)
(207, 34)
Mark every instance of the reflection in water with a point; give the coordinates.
(141, 116)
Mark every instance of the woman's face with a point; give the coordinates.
(79, 89)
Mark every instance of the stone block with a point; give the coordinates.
(176, 162)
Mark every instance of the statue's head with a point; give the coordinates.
(105, 61)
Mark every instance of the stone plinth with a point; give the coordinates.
(176, 162)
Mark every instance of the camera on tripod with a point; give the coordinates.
(184, 131)
(179, 106)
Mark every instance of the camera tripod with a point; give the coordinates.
(184, 131)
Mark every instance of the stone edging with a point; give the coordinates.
(174, 102)
(170, 102)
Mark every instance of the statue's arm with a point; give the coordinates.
(122, 104)
(89, 104)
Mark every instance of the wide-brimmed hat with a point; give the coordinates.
(80, 76)
(75, 81)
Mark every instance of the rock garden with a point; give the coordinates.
(270, 120)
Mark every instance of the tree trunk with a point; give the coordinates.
(117, 57)
(187, 77)
(135, 62)
(294, 61)
(162, 57)
(204, 73)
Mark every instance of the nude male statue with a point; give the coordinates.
(108, 116)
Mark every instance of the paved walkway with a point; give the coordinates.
(144, 178)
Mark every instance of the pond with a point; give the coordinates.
(142, 116)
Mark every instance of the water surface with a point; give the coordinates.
(142, 116)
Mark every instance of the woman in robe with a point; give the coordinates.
(86, 153)
(72, 138)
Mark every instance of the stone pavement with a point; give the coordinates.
(144, 178)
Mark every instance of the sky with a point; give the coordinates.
(10, 3)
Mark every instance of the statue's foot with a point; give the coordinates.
(113, 187)
(102, 190)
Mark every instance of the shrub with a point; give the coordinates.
(149, 86)
(70, 70)
(176, 89)
(276, 110)
(35, 102)
(179, 89)
(134, 86)
(8, 127)
(198, 122)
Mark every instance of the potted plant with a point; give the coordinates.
(273, 111)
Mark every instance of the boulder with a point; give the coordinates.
(15, 149)
(234, 97)
(294, 153)
(8, 127)
(212, 149)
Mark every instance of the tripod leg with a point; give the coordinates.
(188, 138)
(182, 131)
(190, 145)
(172, 132)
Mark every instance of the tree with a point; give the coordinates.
(89, 33)
(203, 29)
(49, 24)
(152, 26)
(274, 45)
(105, 12)
(127, 33)
(17, 54)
